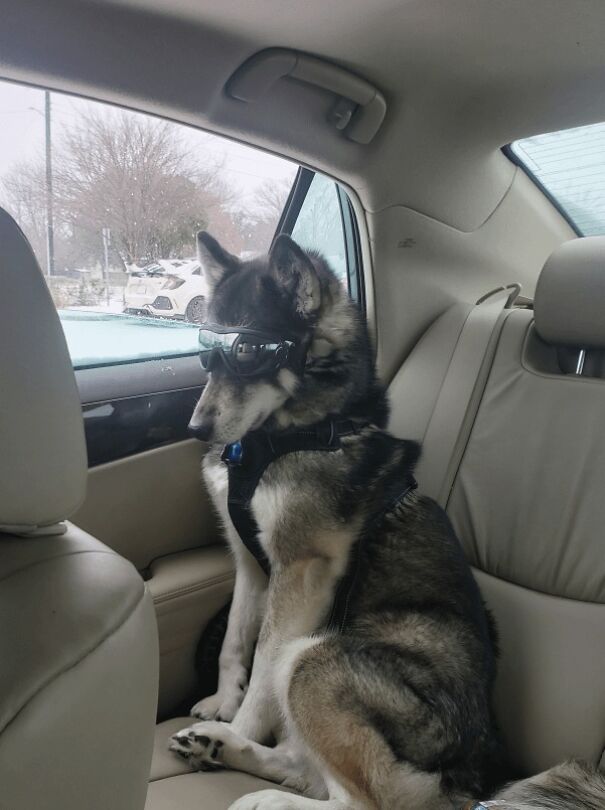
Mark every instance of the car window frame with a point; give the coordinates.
(516, 160)
(350, 229)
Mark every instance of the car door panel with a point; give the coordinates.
(150, 504)
(188, 589)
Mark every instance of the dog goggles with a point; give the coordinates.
(245, 352)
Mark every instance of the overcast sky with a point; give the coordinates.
(22, 137)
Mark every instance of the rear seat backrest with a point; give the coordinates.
(528, 503)
(439, 387)
(415, 388)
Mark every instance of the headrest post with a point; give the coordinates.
(580, 363)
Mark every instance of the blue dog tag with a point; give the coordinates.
(233, 453)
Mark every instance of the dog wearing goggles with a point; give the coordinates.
(263, 315)
(358, 662)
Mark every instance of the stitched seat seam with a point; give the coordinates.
(538, 591)
(58, 557)
(75, 663)
(198, 586)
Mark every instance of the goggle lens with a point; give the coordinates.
(210, 340)
(243, 353)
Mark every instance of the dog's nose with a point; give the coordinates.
(202, 432)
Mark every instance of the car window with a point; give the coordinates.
(111, 201)
(319, 224)
(570, 166)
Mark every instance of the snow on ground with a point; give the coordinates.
(96, 337)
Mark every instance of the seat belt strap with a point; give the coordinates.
(460, 395)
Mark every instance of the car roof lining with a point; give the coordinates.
(461, 78)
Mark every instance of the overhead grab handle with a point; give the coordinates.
(359, 111)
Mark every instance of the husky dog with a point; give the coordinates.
(373, 656)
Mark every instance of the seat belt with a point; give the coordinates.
(461, 392)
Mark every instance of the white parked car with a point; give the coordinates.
(168, 289)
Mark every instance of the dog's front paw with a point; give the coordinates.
(221, 706)
(268, 800)
(200, 745)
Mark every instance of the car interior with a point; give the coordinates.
(470, 229)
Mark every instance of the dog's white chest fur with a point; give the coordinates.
(217, 481)
(268, 505)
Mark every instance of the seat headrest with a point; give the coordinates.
(570, 297)
(43, 464)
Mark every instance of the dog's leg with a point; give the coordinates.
(220, 747)
(330, 696)
(299, 598)
(245, 617)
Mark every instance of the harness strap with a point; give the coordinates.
(248, 459)
(394, 494)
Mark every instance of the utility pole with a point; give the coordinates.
(106, 233)
(50, 232)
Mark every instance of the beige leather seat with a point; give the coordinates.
(526, 494)
(528, 505)
(526, 498)
(78, 639)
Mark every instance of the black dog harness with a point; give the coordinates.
(248, 459)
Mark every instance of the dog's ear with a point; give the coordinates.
(216, 262)
(294, 271)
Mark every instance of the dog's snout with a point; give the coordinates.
(203, 431)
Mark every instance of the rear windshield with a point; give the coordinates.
(570, 165)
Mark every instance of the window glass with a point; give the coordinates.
(111, 201)
(570, 164)
(319, 224)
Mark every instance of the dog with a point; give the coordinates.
(372, 656)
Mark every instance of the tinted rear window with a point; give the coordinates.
(570, 165)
